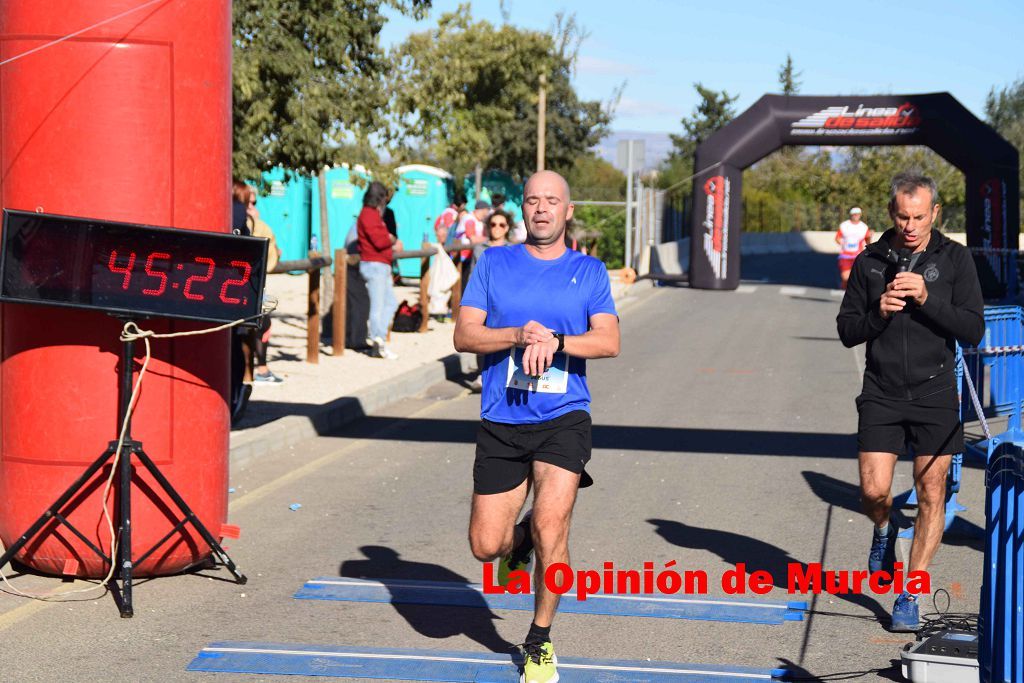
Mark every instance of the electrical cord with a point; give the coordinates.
(937, 621)
(114, 536)
(941, 619)
(130, 332)
(838, 676)
(844, 615)
(974, 399)
(944, 620)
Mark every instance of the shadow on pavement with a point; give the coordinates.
(260, 412)
(845, 495)
(795, 672)
(432, 621)
(802, 269)
(965, 534)
(837, 492)
(757, 555)
(820, 300)
(627, 438)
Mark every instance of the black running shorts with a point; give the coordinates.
(930, 425)
(505, 452)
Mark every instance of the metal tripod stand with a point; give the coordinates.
(130, 448)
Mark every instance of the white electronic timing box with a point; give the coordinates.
(947, 657)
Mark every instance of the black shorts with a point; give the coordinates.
(505, 452)
(931, 424)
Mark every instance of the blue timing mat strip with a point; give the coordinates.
(413, 592)
(457, 667)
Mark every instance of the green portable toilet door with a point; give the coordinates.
(286, 208)
(497, 181)
(423, 193)
(344, 202)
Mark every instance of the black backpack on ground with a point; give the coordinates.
(407, 318)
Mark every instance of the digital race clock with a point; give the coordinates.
(131, 270)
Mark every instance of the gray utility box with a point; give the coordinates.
(946, 657)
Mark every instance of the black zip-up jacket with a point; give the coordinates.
(913, 353)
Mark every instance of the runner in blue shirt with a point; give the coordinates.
(538, 311)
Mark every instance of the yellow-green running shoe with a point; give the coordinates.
(540, 663)
(519, 558)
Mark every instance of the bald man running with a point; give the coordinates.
(537, 310)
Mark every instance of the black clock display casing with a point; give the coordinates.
(129, 269)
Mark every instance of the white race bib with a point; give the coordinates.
(554, 381)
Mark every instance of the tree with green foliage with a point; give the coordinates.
(788, 77)
(1005, 107)
(466, 93)
(713, 111)
(790, 86)
(813, 189)
(593, 178)
(1004, 111)
(308, 81)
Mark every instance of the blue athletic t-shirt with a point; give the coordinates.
(512, 288)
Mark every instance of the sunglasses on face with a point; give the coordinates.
(499, 225)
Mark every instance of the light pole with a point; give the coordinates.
(542, 109)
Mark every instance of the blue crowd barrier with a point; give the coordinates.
(1001, 624)
(997, 369)
(997, 375)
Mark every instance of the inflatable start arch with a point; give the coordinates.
(937, 120)
(129, 120)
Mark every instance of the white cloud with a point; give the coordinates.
(596, 66)
(630, 108)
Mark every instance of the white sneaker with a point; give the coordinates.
(380, 350)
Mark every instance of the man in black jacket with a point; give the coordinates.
(911, 296)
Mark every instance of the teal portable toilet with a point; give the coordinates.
(284, 203)
(497, 181)
(423, 193)
(345, 188)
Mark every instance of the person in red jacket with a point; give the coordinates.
(375, 260)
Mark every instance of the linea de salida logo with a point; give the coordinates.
(861, 120)
(716, 224)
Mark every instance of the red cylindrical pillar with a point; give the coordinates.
(128, 121)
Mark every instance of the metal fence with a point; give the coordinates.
(780, 216)
(675, 222)
(774, 215)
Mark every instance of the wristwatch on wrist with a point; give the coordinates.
(561, 342)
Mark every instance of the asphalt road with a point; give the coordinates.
(723, 435)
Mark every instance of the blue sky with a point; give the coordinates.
(660, 48)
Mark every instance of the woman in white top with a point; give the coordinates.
(853, 235)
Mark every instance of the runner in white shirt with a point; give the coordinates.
(853, 235)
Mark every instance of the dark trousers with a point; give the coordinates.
(357, 310)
